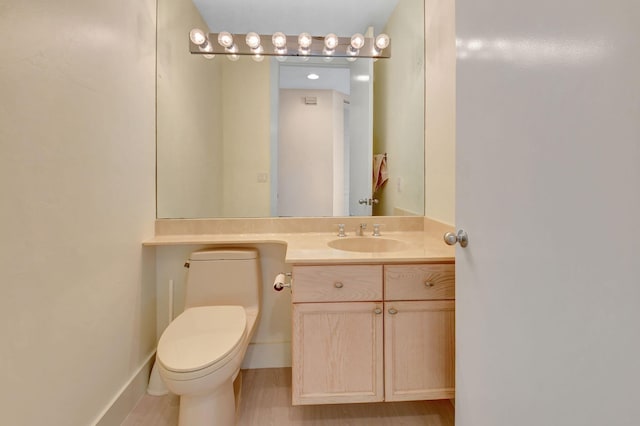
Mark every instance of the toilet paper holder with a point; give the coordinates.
(280, 281)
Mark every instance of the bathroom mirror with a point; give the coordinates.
(220, 123)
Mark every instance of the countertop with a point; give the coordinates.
(312, 247)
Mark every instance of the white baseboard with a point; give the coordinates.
(125, 400)
(267, 355)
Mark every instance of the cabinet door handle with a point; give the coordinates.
(377, 311)
(428, 284)
(338, 285)
(393, 311)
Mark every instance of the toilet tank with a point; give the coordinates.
(229, 276)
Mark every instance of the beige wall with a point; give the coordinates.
(211, 114)
(440, 110)
(190, 118)
(246, 136)
(77, 310)
(398, 120)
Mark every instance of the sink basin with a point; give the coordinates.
(368, 244)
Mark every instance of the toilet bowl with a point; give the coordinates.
(201, 351)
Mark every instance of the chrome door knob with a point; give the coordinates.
(461, 237)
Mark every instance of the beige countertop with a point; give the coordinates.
(313, 248)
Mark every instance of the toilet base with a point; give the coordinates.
(213, 409)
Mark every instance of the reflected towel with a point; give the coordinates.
(380, 173)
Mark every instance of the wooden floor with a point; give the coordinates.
(266, 400)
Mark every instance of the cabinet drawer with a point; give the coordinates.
(342, 283)
(419, 282)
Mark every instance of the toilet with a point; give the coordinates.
(200, 352)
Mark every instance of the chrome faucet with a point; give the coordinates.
(360, 229)
(341, 230)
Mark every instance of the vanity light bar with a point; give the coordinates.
(279, 44)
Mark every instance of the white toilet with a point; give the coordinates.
(200, 352)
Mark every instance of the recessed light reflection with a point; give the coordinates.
(313, 76)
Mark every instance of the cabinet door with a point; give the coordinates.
(337, 353)
(419, 350)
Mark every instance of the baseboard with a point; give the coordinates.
(267, 355)
(125, 400)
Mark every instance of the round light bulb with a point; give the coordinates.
(209, 56)
(331, 41)
(257, 58)
(357, 41)
(225, 39)
(233, 57)
(279, 40)
(253, 40)
(305, 40)
(382, 41)
(197, 36)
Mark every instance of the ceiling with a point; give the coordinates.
(317, 17)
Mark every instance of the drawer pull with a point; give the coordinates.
(377, 311)
(393, 311)
(428, 284)
(338, 285)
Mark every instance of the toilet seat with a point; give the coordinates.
(201, 340)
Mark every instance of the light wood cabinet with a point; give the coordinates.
(419, 350)
(367, 333)
(337, 353)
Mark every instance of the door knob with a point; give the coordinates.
(461, 237)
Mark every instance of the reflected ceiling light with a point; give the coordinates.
(225, 40)
(313, 76)
(357, 41)
(197, 36)
(253, 40)
(304, 43)
(382, 42)
(362, 77)
(330, 43)
(279, 41)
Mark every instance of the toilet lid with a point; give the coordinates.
(201, 336)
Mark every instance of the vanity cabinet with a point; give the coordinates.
(370, 333)
(337, 346)
(419, 332)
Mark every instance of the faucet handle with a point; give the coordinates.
(376, 229)
(341, 230)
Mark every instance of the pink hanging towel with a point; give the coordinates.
(380, 173)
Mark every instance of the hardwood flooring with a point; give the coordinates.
(266, 400)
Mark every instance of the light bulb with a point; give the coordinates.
(253, 40)
(197, 36)
(331, 41)
(206, 47)
(225, 39)
(305, 40)
(279, 40)
(209, 56)
(257, 58)
(357, 41)
(233, 57)
(382, 41)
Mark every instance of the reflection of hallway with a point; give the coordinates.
(266, 400)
